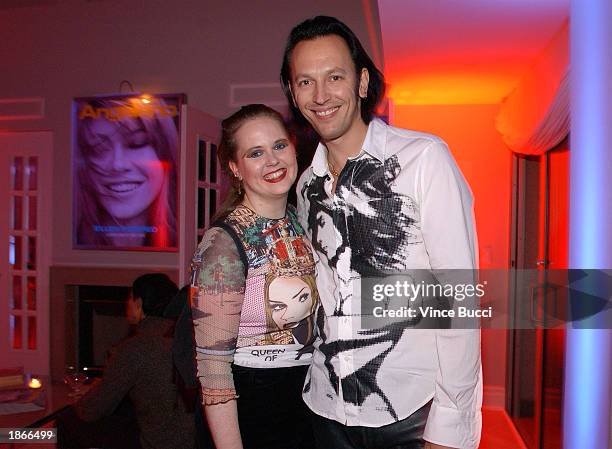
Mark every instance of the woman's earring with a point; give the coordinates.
(239, 187)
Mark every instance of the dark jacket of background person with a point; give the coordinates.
(142, 370)
(186, 376)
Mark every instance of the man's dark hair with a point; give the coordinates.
(155, 290)
(324, 26)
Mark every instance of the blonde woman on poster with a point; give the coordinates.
(125, 174)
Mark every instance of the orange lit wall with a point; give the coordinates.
(486, 163)
(558, 256)
(559, 207)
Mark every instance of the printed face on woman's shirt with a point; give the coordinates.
(290, 299)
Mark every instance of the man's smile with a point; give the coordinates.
(327, 112)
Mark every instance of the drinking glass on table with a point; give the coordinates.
(75, 380)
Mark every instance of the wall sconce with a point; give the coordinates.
(144, 98)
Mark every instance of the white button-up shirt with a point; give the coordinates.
(401, 204)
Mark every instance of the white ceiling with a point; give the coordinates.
(463, 51)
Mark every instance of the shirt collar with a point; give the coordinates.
(375, 144)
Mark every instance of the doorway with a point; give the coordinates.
(25, 243)
(539, 242)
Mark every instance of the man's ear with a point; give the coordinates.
(364, 81)
(138, 302)
(291, 92)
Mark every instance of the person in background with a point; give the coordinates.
(185, 372)
(141, 369)
(251, 364)
(177, 304)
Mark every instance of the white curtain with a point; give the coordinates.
(534, 118)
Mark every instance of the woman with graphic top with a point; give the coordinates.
(254, 336)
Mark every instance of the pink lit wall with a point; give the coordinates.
(486, 162)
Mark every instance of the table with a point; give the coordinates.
(56, 399)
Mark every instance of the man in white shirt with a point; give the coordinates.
(378, 199)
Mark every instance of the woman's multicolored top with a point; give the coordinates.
(254, 298)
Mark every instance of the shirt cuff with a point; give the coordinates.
(211, 396)
(454, 428)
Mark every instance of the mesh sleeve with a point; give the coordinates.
(218, 283)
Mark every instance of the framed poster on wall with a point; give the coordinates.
(125, 172)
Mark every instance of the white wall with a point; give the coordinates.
(68, 48)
